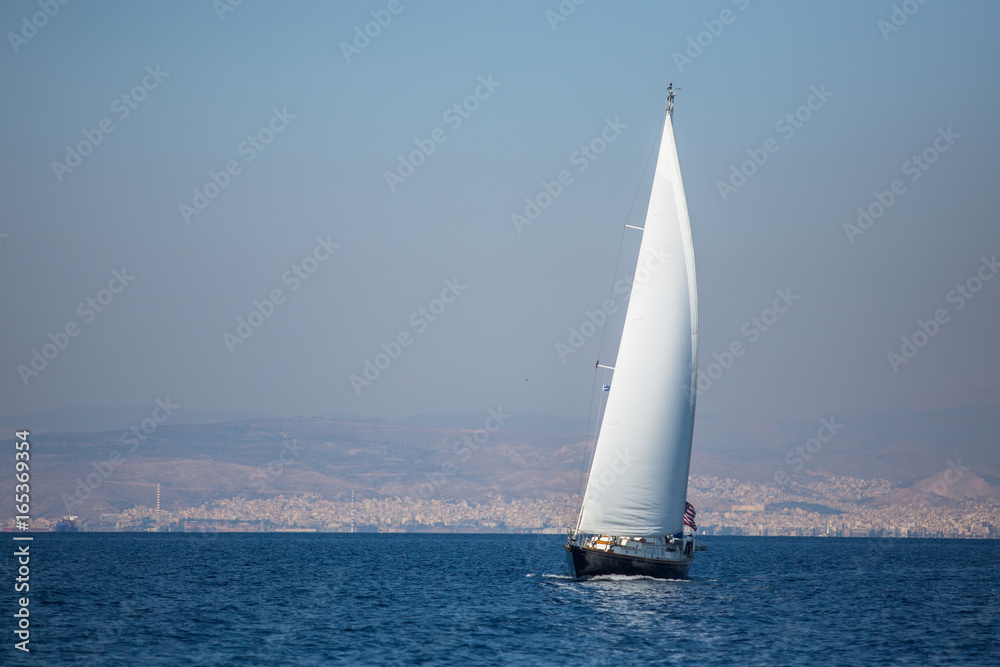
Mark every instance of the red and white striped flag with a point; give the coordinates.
(689, 516)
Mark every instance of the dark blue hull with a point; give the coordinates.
(587, 563)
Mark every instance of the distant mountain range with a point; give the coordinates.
(197, 457)
(194, 463)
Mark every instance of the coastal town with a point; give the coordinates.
(820, 506)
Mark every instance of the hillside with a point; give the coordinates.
(91, 473)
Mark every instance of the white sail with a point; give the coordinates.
(638, 478)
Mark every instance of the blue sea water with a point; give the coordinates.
(317, 599)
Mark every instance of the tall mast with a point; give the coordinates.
(639, 473)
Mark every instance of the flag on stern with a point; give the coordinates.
(689, 516)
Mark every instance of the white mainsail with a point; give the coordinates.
(638, 478)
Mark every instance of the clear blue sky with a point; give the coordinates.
(323, 175)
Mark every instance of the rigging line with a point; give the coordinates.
(587, 448)
(610, 325)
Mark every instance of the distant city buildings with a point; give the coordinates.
(836, 506)
(812, 506)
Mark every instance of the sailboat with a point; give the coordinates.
(635, 518)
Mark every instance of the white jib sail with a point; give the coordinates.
(638, 478)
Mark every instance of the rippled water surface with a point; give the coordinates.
(236, 599)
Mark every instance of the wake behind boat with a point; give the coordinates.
(635, 519)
